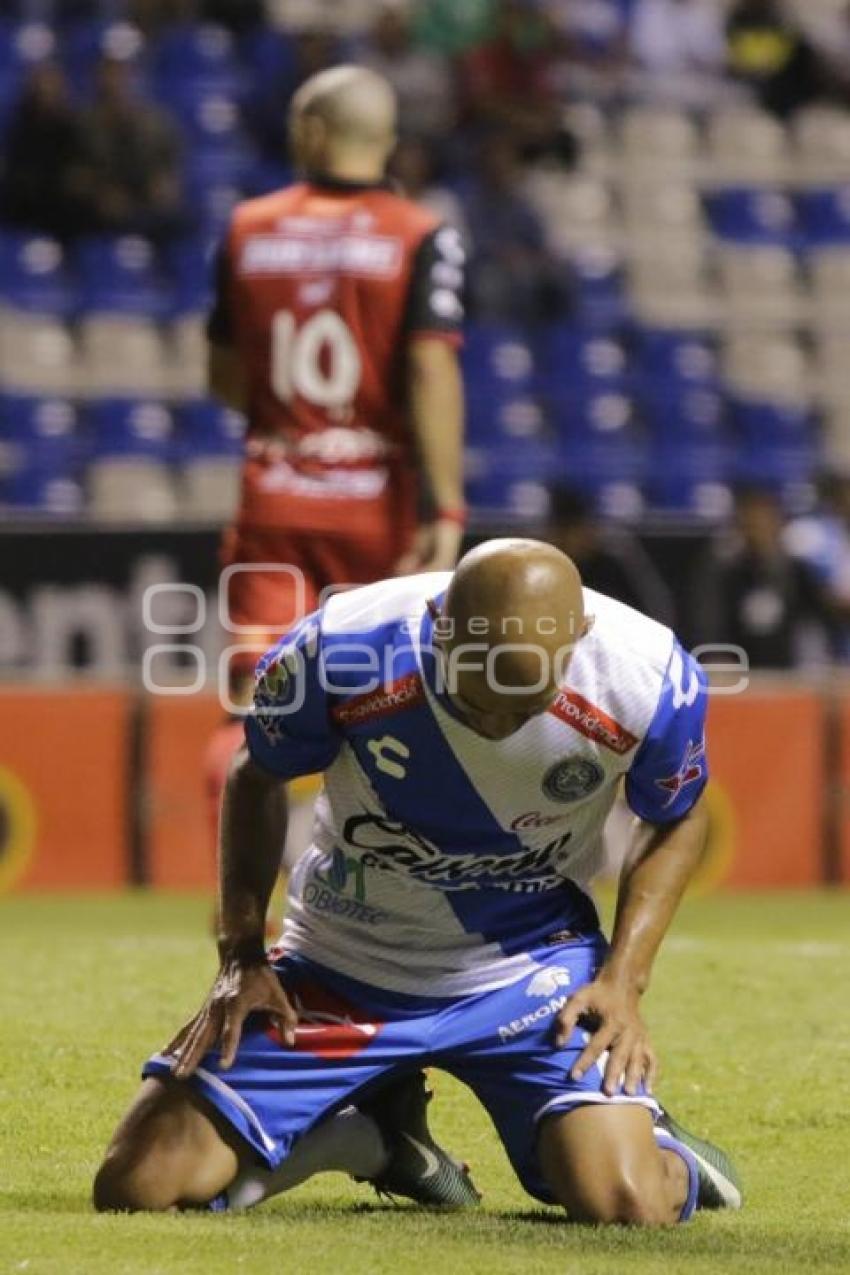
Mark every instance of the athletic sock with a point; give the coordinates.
(666, 1143)
(349, 1142)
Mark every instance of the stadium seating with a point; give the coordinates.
(709, 259)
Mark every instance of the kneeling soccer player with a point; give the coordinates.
(473, 729)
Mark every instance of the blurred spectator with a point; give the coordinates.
(38, 187)
(769, 54)
(130, 159)
(239, 15)
(753, 594)
(453, 26)
(152, 15)
(594, 44)
(610, 559)
(421, 77)
(315, 48)
(508, 81)
(822, 541)
(512, 274)
(412, 165)
(679, 48)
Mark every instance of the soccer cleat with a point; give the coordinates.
(418, 1168)
(719, 1185)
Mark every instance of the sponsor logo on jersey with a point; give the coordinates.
(391, 846)
(543, 1012)
(592, 722)
(378, 256)
(547, 981)
(533, 819)
(572, 779)
(405, 692)
(689, 772)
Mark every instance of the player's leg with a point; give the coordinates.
(605, 1159)
(603, 1164)
(232, 1139)
(169, 1150)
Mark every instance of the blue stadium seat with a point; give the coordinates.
(272, 60)
(46, 427)
(577, 362)
(497, 360)
(208, 429)
(599, 418)
(690, 416)
(22, 45)
(212, 203)
(120, 275)
(39, 491)
(86, 41)
(825, 216)
(510, 481)
(692, 482)
(753, 216)
(599, 294)
(40, 455)
(125, 428)
(671, 362)
(204, 56)
(772, 424)
(34, 274)
(188, 266)
(502, 418)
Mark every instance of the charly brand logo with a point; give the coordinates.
(547, 981)
(572, 779)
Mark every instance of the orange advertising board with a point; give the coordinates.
(178, 824)
(63, 788)
(766, 752)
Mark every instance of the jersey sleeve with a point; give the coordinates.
(436, 301)
(670, 769)
(288, 730)
(220, 318)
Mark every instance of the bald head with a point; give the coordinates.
(513, 613)
(344, 118)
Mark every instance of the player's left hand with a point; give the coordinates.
(435, 547)
(610, 1011)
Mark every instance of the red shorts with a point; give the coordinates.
(273, 578)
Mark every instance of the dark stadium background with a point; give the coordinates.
(656, 198)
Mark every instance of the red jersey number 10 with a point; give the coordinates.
(318, 361)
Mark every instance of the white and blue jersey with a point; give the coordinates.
(440, 859)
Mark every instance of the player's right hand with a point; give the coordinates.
(240, 989)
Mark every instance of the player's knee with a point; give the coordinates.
(618, 1202)
(125, 1184)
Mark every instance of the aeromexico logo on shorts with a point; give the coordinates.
(389, 845)
(572, 779)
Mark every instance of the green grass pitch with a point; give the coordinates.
(750, 1010)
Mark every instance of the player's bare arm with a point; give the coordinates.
(436, 415)
(253, 827)
(658, 867)
(225, 376)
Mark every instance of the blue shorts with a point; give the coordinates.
(352, 1038)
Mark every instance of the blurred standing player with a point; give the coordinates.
(335, 331)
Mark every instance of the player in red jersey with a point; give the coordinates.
(335, 331)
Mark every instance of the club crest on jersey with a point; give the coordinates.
(572, 779)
